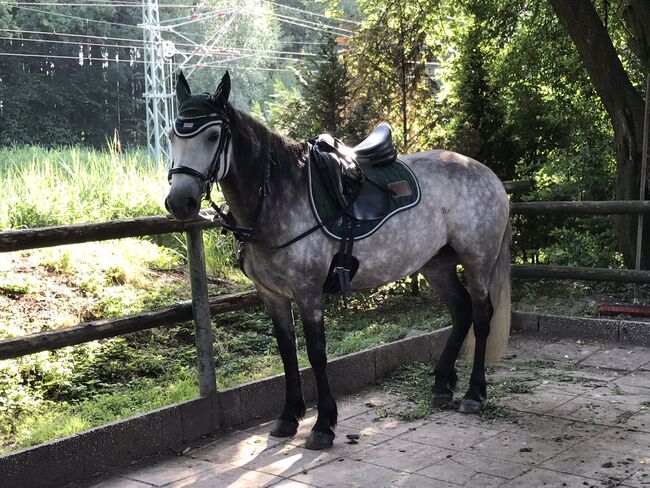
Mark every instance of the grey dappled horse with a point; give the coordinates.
(462, 218)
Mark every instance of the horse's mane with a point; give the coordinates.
(255, 142)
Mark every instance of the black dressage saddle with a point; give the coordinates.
(354, 191)
(348, 171)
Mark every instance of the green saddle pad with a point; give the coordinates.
(330, 214)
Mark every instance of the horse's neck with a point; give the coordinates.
(287, 190)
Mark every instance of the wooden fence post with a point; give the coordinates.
(201, 312)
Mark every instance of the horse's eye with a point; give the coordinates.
(213, 138)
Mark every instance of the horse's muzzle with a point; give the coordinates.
(184, 200)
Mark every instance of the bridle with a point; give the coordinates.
(190, 127)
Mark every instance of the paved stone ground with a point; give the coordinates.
(586, 422)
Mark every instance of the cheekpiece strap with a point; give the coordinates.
(186, 127)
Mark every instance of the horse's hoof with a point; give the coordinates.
(318, 441)
(440, 400)
(468, 405)
(284, 428)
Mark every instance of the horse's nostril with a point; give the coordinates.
(191, 204)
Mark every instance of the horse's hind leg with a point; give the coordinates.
(279, 308)
(310, 304)
(441, 274)
(482, 311)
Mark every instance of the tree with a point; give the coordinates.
(622, 101)
(388, 59)
(477, 126)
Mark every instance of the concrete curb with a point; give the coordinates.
(79, 457)
(552, 327)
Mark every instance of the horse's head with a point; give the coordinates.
(199, 145)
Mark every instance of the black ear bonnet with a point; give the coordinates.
(196, 113)
(200, 111)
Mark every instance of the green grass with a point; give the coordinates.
(45, 187)
(414, 382)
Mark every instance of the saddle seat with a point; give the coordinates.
(377, 149)
(349, 172)
(365, 180)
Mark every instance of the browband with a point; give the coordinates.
(186, 127)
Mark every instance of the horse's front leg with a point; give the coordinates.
(310, 305)
(279, 308)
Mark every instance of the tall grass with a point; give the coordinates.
(69, 185)
(44, 187)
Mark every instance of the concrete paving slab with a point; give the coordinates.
(161, 473)
(227, 476)
(620, 393)
(586, 409)
(402, 455)
(569, 351)
(627, 359)
(591, 376)
(629, 442)
(370, 422)
(544, 426)
(523, 449)
(639, 378)
(350, 473)
(118, 482)
(286, 460)
(448, 435)
(536, 477)
(289, 484)
(474, 471)
(348, 408)
(537, 402)
(235, 450)
(604, 464)
(641, 479)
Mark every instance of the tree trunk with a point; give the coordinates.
(623, 103)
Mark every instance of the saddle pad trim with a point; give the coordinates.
(376, 227)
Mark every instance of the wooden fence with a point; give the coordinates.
(200, 307)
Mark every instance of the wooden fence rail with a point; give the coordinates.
(16, 240)
(615, 207)
(528, 271)
(102, 329)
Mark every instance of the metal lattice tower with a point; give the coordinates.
(158, 94)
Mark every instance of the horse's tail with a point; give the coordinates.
(497, 342)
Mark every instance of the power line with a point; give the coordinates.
(310, 22)
(312, 13)
(138, 41)
(85, 36)
(98, 4)
(139, 5)
(74, 43)
(77, 58)
(312, 28)
(113, 60)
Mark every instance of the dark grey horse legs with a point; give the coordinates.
(481, 315)
(294, 407)
(442, 276)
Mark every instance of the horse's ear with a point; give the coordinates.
(182, 88)
(223, 90)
